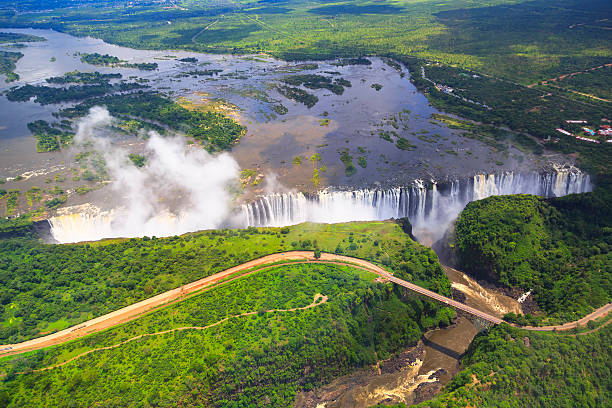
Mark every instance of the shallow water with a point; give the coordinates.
(414, 375)
(272, 140)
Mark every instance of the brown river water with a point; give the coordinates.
(418, 373)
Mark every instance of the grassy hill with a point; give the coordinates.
(45, 288)
(560, 248)
(261, 359)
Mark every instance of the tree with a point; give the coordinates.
(317, 253)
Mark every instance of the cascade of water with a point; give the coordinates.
(429, 208)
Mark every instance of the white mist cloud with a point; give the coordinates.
(180, 189)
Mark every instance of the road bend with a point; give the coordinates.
(267, 262)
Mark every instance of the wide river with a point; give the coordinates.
(272, 141)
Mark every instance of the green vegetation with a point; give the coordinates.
(215, 131)
(526, 41)
(595, 83)
(262, 359)
(298, 95)
(533, 111)
(559, 248)
(11, 197)
(14, 227)
(404, 144)
(138, 159)
(33, 195)
(76, 77)
(313, 81)
(7, 64)
(297, 160)
(49, 287)
(47, 95)
(106, 60)
(509, 367)
(48, 136)
(362, 161)
(490, 135)
(347, 160)
(377, 87)
(19, 38)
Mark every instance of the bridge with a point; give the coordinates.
(266, 262)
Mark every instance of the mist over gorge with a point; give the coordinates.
(179, 189)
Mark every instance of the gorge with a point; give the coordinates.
(430, 207)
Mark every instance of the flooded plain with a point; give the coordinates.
(379, 100)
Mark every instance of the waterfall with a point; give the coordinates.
(429, 206)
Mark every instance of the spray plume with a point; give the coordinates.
(180, 189)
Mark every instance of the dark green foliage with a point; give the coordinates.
(347, 160)
(100, 59)
(362, 161)
(112, 61)
(298, 95)
(352, 61)
(404, 144)
(76, 77)
(7, 64)
(47, 95)
(537, 112)
(560, 248)
(67, 284)
(597, 82)
(544, 371)
(137, 159)
(48, 136)
(55, 202)
(16, 37)
(258, 360)
(213, 130)
(313, 81)
(14, 227)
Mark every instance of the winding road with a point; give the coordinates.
(267, 262)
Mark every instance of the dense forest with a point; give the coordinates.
(509, 367)
(49, 287)
(559, 248)
(535, 111)
(106, 60)
(525, 41)
(8, 60)
(215, 131)
(261, 359)
(47, 94)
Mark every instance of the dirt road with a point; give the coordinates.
(134, 311)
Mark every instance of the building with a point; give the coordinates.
(565, 132)
(605, 132)
(586, 139)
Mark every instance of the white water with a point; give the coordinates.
(430, 208)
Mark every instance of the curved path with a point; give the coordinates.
(137, 309)
(314, 303)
